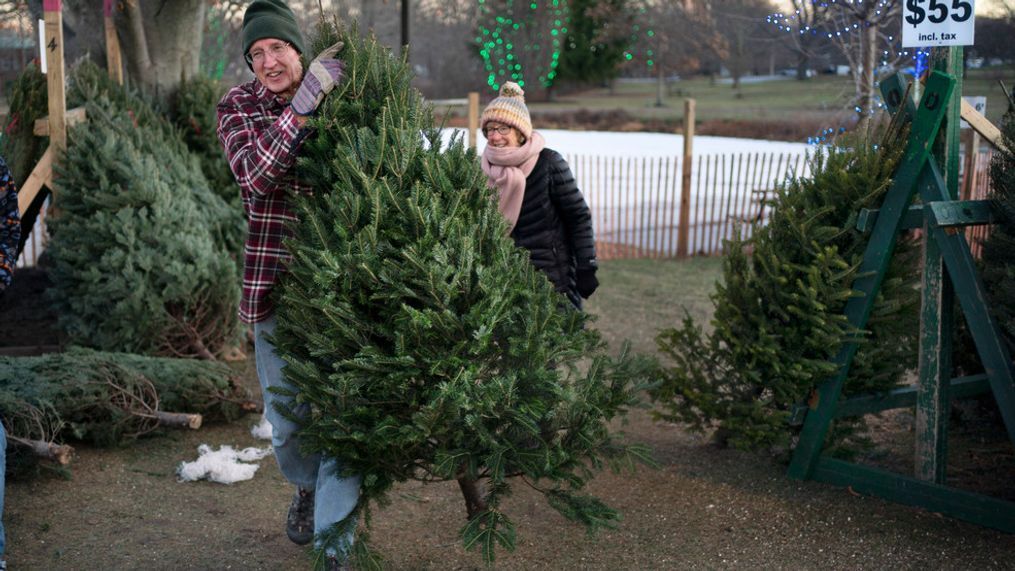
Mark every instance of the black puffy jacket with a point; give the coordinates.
(555, 224)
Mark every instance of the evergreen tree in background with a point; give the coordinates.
(426, 344)
(21, 148)
(778, 317)
(596, 40)
(194, 110)
(141, 251)
(998, 255)
(217, 198)
(192, 131)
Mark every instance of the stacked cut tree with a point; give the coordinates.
(779, 311)
(141, 255)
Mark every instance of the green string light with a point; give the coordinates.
(539, 29)
(640, 40)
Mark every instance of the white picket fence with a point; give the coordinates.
(635, 202)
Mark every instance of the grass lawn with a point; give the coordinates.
(784, 99)
(985, 82)
(820, 97)
(638, 298)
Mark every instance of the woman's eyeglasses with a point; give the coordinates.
(502, 130)
(276, 50)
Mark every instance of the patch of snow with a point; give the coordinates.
(614, 144)
(261, 430)
(224, 465)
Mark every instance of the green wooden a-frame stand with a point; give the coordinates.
(949, 272)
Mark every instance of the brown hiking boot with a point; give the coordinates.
(299, 523)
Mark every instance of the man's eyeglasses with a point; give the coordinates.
(276, 50)
(502, 130)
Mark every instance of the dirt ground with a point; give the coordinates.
(703, 508)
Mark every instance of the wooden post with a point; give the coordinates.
(41, 175)
(473, 117)
(405, 28)
(54, 74)
(685, 180)
(56, 122)
(981, 125)
(936, 314)
(114, 62)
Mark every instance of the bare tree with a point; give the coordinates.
(802, 29)
(443, 50)
(15, 17)
(680, 37)
(161, 41)
(744, 33)
(12, 12)
(862, 31)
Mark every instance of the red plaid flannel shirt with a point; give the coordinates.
(261, 136)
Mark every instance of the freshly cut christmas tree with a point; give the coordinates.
(141, 248)
(194, 110)
(425, 343)
(186, 142)
(779, 309)
(108, 399)
(999, 248)
(21, 147)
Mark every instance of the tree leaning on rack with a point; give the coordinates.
(778, 316)
(425, 343)
(998, 255)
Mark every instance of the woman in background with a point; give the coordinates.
(538, 196)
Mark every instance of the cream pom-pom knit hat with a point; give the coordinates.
(509, 108)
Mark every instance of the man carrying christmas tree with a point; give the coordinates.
(261, 124)
(10, 233)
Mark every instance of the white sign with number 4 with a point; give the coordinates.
(928, 23)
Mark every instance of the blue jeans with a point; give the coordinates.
(336, 497)
(3, 481)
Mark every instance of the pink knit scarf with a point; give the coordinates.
(507, 168)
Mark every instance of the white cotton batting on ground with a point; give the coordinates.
(224, 465)
(261, 430)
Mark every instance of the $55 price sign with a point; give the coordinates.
(937, 23)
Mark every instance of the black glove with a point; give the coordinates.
(586, 282)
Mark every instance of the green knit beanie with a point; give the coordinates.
(270, 19)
